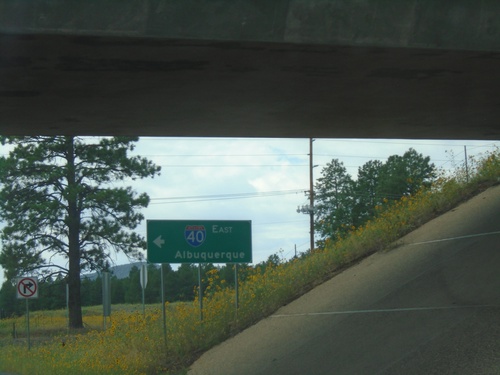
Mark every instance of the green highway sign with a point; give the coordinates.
(199, 241)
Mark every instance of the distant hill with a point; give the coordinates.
(121, 271)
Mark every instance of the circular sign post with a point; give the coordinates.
(27, 288)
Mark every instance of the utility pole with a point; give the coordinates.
(311, 194)
(309, 209)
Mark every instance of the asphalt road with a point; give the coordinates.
(429, 306)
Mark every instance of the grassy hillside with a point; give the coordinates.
(134, 343)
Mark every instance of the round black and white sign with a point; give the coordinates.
(27, 287)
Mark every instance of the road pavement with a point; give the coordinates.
(429, 306)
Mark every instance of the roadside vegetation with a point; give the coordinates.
(133, 343)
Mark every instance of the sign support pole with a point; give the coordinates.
(143, 276)
(28, 324)
(200, 292)
(163, 305)
(236, 289)
(143, 304)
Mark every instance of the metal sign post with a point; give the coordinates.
(236, 297)
(27, 287)
(28, 324)
(163, 305)
(144, 281)
(200, 292)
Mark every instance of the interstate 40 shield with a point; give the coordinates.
(199, 241)
(195, 235)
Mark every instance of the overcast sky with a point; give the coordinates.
(263, 180)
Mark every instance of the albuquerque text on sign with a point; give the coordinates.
(195, 241)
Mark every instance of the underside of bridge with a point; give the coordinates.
(276, 69)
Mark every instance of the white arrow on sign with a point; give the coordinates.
(159, 241)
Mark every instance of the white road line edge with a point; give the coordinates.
(454, 238)
(403, 309)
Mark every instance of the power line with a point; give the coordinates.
(414, 142)
(229, 165)
(488, 145)
(199, 198)
(280, 222)
(218, 155)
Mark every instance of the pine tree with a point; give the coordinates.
(334, 202)
(59, 198)
(365, 191)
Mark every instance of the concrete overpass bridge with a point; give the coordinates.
(251, 68)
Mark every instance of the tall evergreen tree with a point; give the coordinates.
(333, 196)
(365, 191)
(59, 198)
